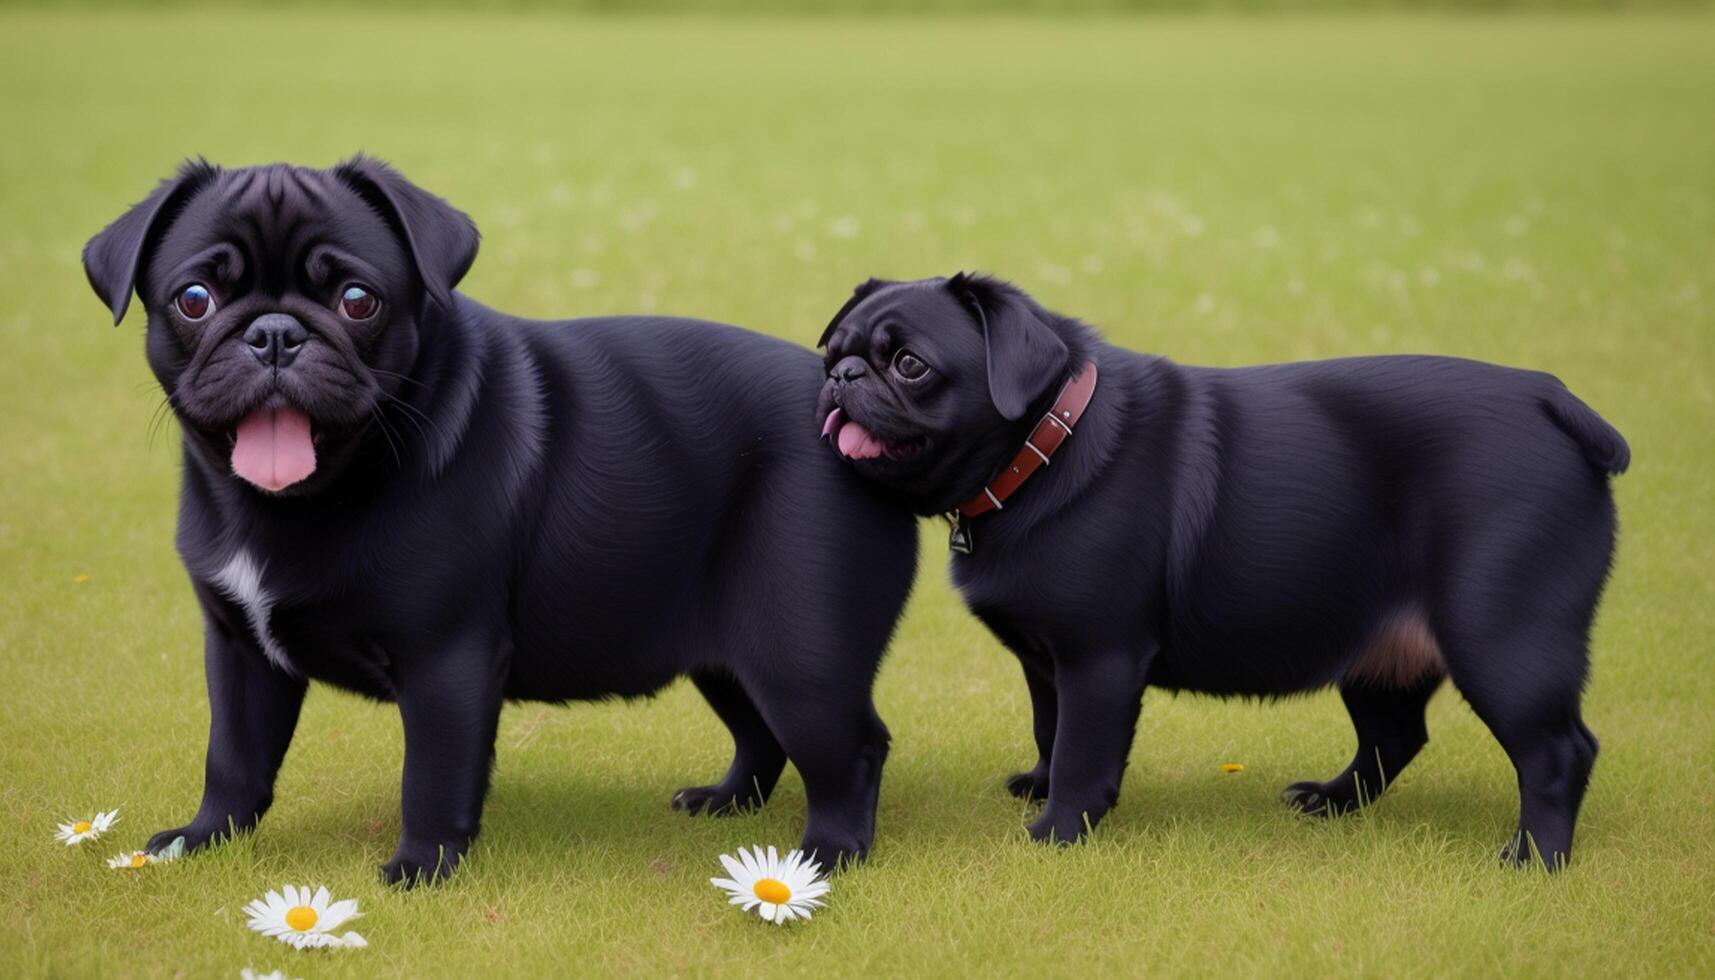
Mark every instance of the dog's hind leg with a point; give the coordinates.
(1514, 621)
(833, 736)
(1526, 687)
(1390, 726)
(757, 757)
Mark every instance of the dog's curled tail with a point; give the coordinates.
(1603, 445)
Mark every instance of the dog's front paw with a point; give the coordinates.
(716, 801)
(1062, 828)
(1521, 851)
(421, 864)
(183, 840)
(1516, 852)
(834, 855)
(1318, 799)
(1032, 785)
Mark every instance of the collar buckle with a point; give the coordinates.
(1050, 433)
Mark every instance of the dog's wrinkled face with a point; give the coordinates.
(927, 380)
(284, 306)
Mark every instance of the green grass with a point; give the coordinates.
(905, 8)
(1533, 191)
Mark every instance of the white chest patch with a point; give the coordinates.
(241, 579)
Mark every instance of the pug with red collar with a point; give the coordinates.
(1121, 521)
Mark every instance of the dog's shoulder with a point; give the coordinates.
(678, 365)
(647, 341)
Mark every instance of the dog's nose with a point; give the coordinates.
(276, 339)
(849, 369)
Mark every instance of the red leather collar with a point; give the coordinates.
(1052, 431)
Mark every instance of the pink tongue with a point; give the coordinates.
(273, 449)
(856, 442)
(835, 418)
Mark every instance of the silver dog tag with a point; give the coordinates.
(959, 539)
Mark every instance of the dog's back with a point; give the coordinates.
(1358, 498)
(692, 509)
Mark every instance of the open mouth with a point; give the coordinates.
(853, 441)
(274, 447)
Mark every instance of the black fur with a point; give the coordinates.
(1376, 524)
(501, 509)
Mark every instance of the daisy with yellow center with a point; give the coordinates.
(138, 860)
(79, 831)
(778, 890)
(302, 919)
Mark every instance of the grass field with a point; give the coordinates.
(1532, 191)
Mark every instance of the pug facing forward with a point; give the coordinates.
(1121, 521)
(394, 489)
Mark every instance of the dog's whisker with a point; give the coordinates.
(416, 416)
(415, 426)
(158, 417)
(399, 377)
(386, 434)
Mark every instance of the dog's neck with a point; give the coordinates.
(440, 405)
(1083, 455)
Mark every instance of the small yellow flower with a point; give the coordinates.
(133, 861)
(79, 831)
(80, 578)
(1231, 767)
(138, 860)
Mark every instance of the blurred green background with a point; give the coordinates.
(900, 8)
(1536, 190)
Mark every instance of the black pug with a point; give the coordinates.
(394, 489)
(1377, 524)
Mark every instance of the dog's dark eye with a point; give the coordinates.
(909, 366)
(195, 302)
(358, 303)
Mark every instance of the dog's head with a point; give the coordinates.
(929, 382)
(285, 305)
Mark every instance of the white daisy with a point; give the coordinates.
(79, 831)
(133, 860)
(306, 921)
(779, 890)
(136, 860)
(249, 974)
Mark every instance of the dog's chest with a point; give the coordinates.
(302, 630)
(240, 580)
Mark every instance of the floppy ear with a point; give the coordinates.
(442, 239)
(113, 257)
(1025, 355)
(859, 294)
